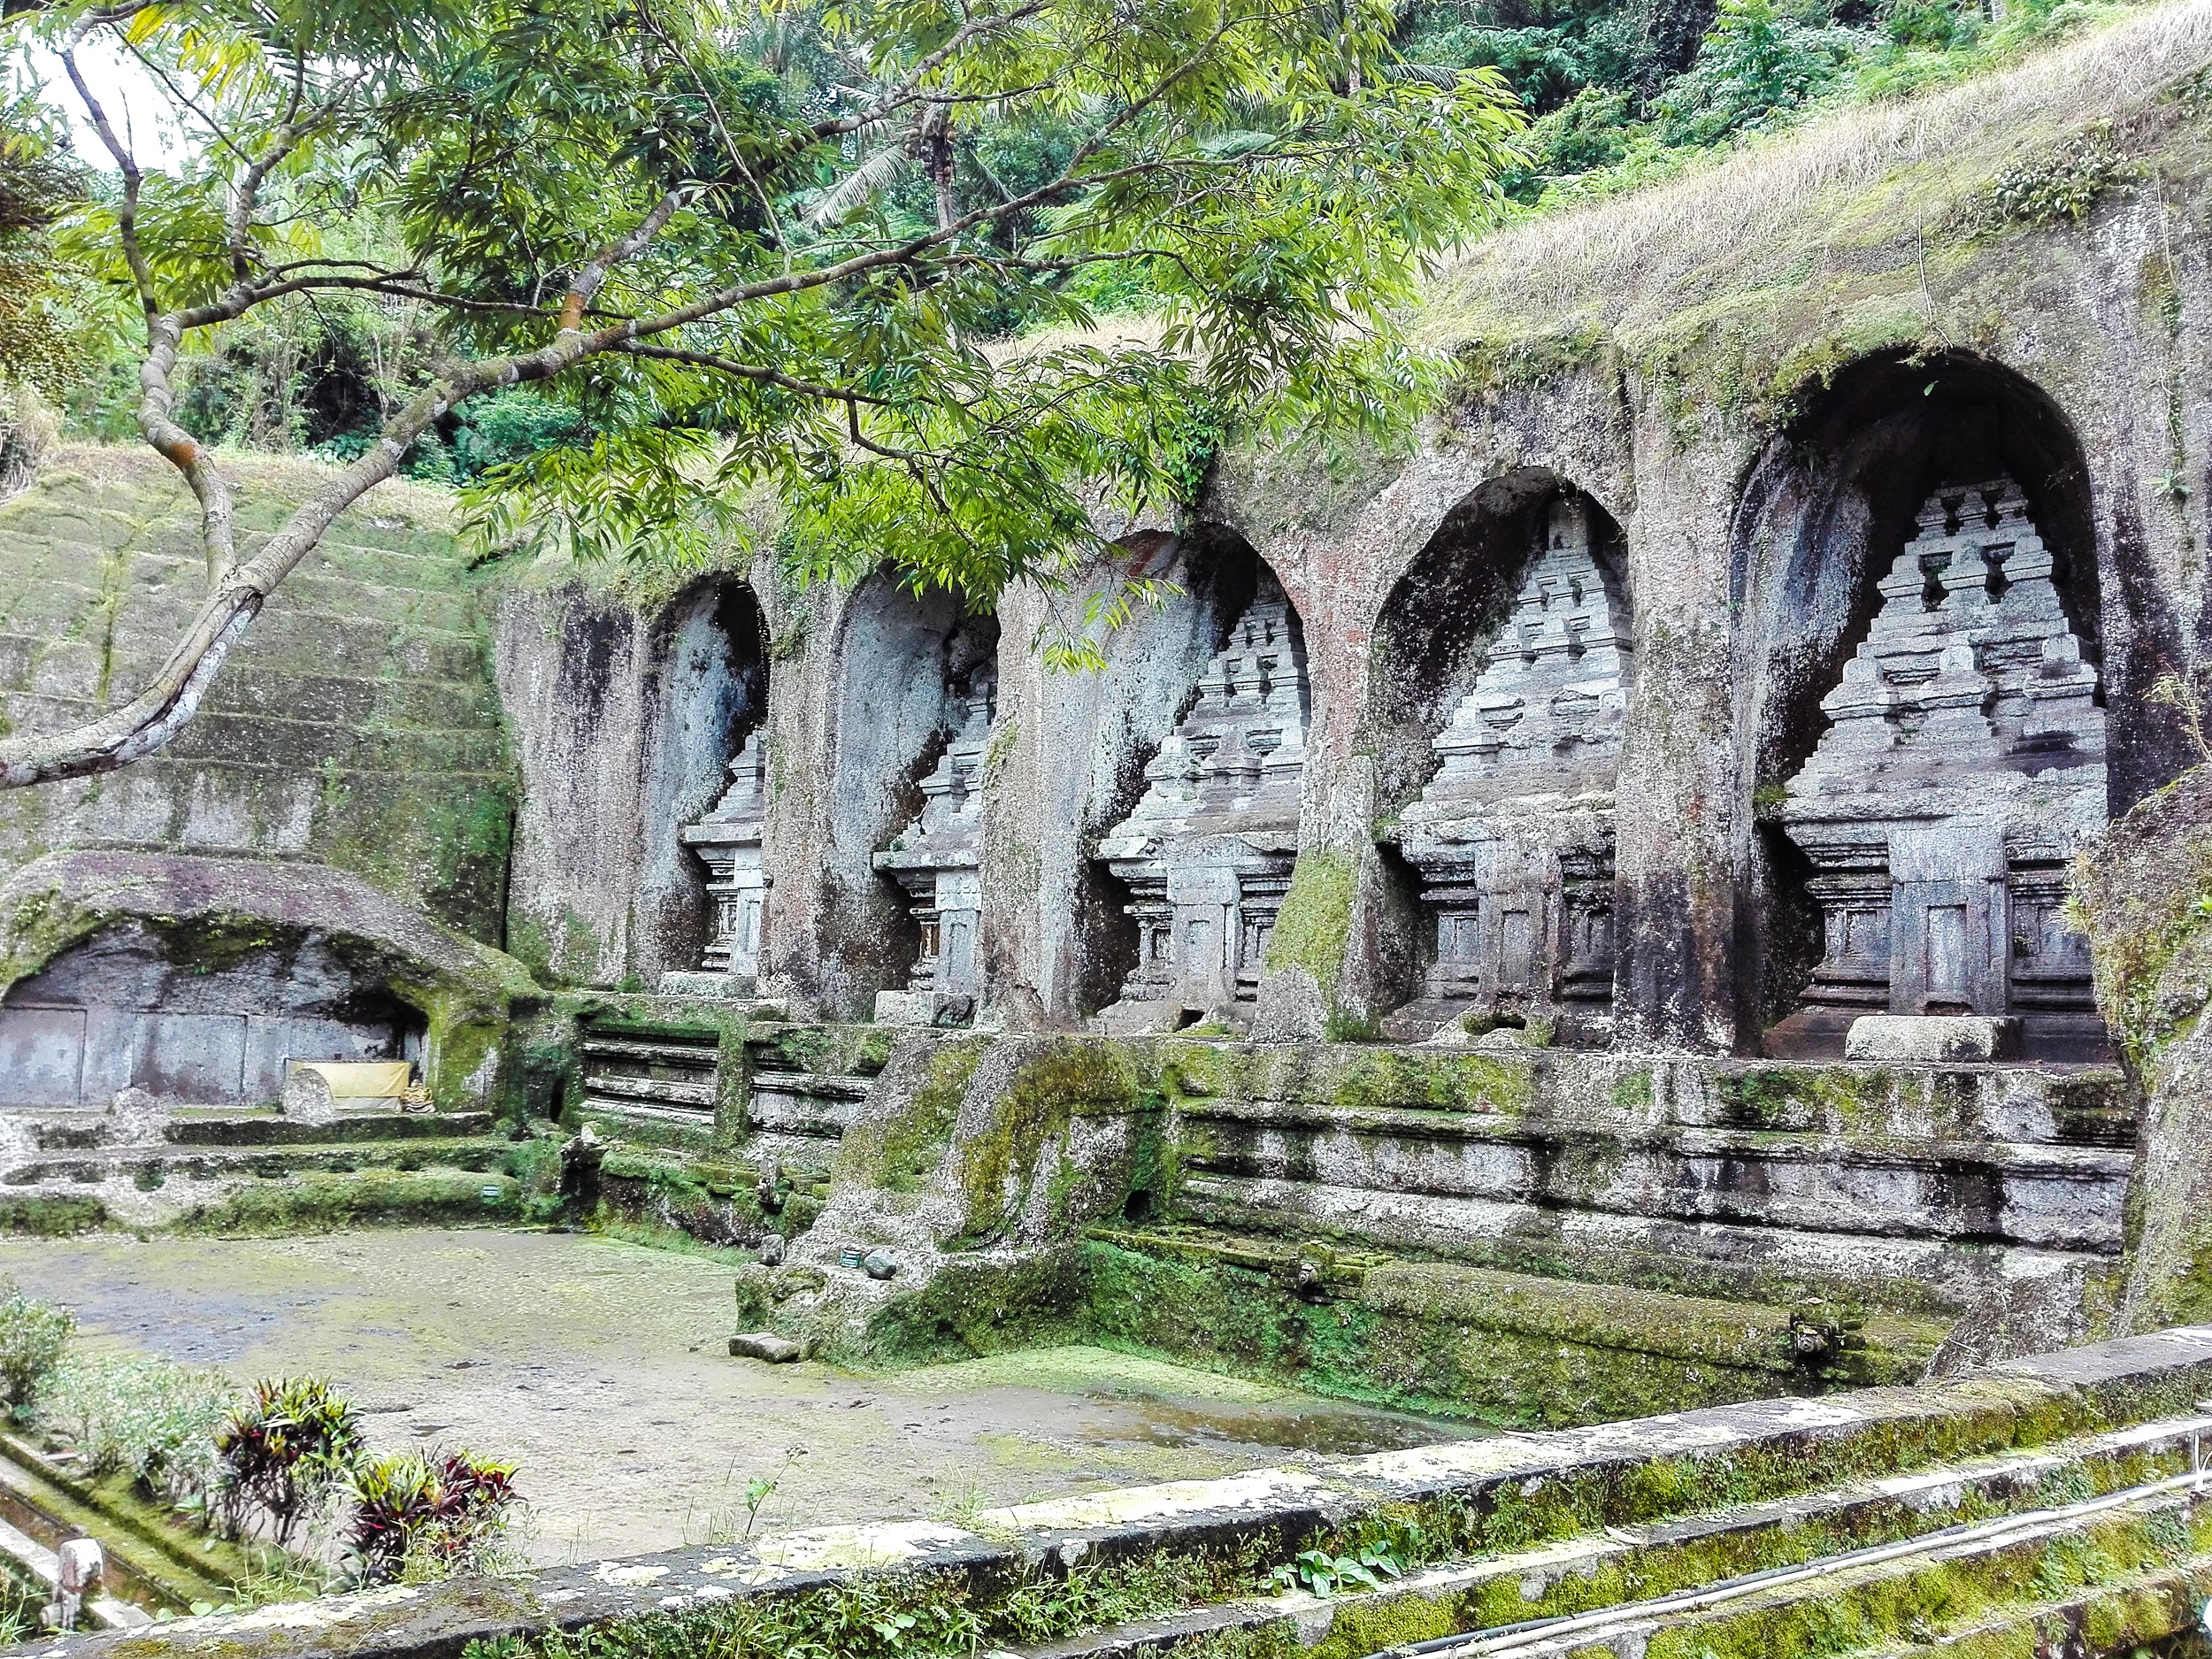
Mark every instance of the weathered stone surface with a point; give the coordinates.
(2146, 894)
(1605, 1476)
(197, 979)
(307, 1097)
(765, 1346)
(1931, 1039)
(355, 724)
(1207, 852)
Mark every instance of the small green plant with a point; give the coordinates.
(33, 1337)
(2180, 693)
(419, 1517)
(151, 1418)
(2058, 186)
(284, 1450)
(1325, 1573)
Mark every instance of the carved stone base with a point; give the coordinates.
(1932, 1039)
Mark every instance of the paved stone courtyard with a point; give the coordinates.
(601, 1368)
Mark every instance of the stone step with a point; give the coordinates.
(1654, 1250)
(269, 1162)
(1560, 1090)
(270, 1130)
(1854, 1600)
(1445, 1336)
(1605, 1589)
(2060, 1197)
(79, 1129)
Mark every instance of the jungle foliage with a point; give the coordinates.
(742, 244)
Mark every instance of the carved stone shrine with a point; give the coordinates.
(1207, 853)
(727, 840)
(936, 859)
(1513, 836)
(1964, 767)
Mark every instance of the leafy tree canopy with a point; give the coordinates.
(756, 243)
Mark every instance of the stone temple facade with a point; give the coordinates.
(934, 859)
(1796, 715)
(1513, 837)
(1207, 853)
(1964, 769)
(727, 841)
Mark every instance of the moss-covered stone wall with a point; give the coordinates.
(356, 726)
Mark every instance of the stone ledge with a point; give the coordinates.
(1639, 1469)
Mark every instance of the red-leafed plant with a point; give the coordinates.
(420, 1516)
(291, 1443)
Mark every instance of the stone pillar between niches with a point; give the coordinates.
(1676, 879)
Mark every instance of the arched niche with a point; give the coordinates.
(1916, 585)
(915, 682)
(1155, 662)
(1503, 659)
(706, 689)
(1205, 850)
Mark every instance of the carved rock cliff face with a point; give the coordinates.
(1964, 766)
(2145, 893)
(1207, 851)
(936, 858)
(1513, 837)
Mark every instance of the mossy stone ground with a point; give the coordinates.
(601, 1368)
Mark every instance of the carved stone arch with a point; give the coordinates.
(1205, 846)
(1917, 590)
(913, 675)
(1503, 657)
(1154, 663)
(705, 691)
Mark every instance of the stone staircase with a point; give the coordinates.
(657, 1078)
(2102, 1540)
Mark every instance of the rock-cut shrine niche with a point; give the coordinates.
(1512, 838)
(727, 841)
(1207, 851)
(936, 859)
(1963, 766)
(706, 695)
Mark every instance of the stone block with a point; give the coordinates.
(689, 982)
(307, 1096)
(764, 1346)
(1932, 1039)
(923, 1008)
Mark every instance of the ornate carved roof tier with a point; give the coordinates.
(1964, 764)
(936, 859)
(1513, 837)
(727, 840)
(1207, 851)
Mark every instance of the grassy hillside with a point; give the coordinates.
(1917, 223)
(356, 725)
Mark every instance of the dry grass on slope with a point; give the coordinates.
(1860, 178)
